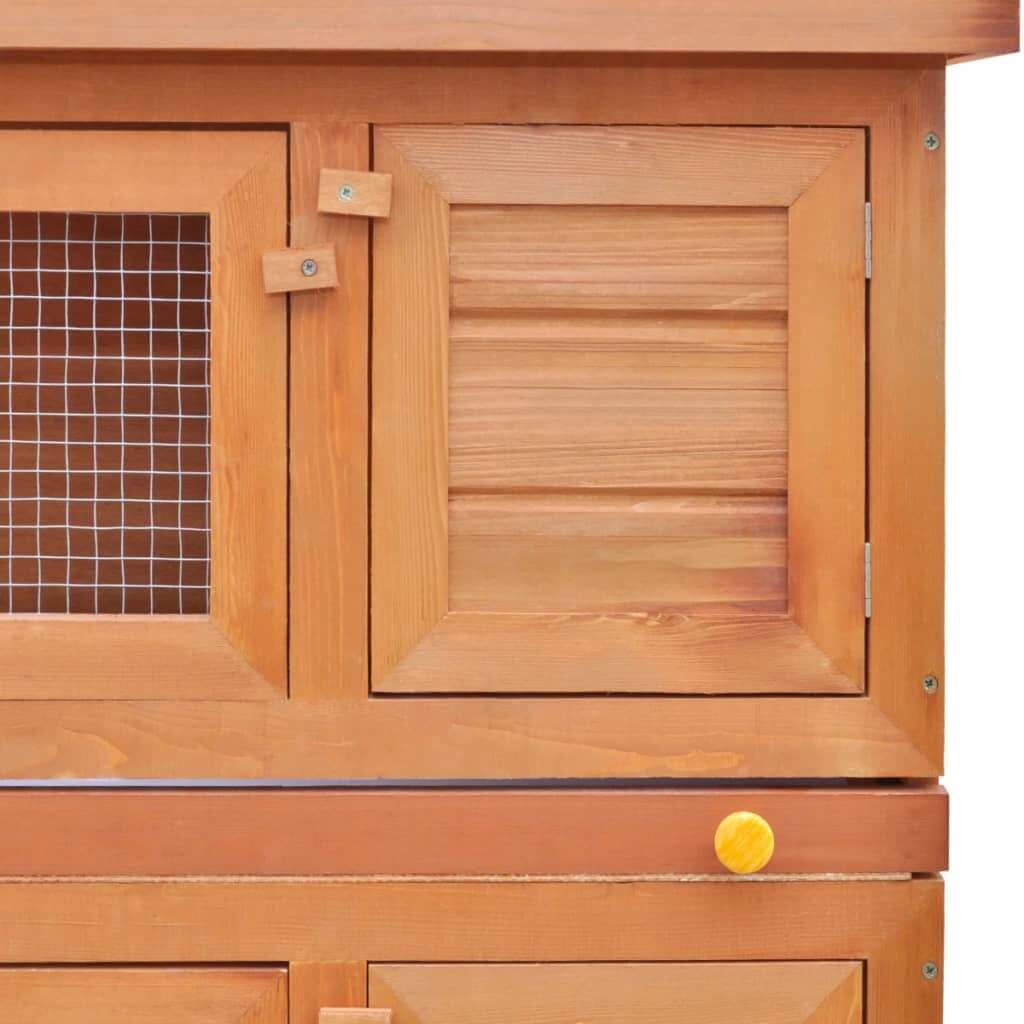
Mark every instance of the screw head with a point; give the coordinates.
(930, 684)
(932, 142)
(346, 193)
(309, 268)
(930, 971)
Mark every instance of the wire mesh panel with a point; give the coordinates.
(104, 413)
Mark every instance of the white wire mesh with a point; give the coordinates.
(104, 413)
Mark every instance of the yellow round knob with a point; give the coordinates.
(744, 842)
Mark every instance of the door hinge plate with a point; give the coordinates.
(868, 241)
(867, 580)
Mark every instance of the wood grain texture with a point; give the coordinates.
(603, 350)
(618, 166)
(827, 410)
(249, 416)
(892, 926)
(312, 986)
(778, 993)
(121, 657)
(355, 1015)
(616, 553)
(617, 257)
(870, 829)
(907, 416)
(239, 179)
(282, 269)
(329, 433)
(409, 454)
(390, 90)
(150, 995)
(354, 193)
(744, 26)
(639, 652)
(459, 738)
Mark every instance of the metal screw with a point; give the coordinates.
(929, 684)
(930, 971)
(309, 268)
(346, 193)
(932, 142)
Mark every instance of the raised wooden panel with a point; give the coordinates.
(603, 454)
(143, 995)
(776, 993)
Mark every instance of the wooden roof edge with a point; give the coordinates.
(953, 29)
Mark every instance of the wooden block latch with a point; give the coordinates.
(354, 193)
(354, 1015)
(300, 270)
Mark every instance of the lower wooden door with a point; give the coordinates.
(821, 992)
(144, 995)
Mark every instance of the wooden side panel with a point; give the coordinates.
(827, 410)
(907, 446)
(329, 432)
(314, 986)
(409, 570)
(149, 995)
(823, 993)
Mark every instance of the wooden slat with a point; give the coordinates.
(827, 410)
(724, 351)
(742, 26)
(567, 438)
(797, 993)
(612, 258)
(143, 995)
(907, 416)
(386, 90)
(355, 1015)
(312, 986)
(354, 193)
(329, 428)
(474, 652)
(618, 553)
(885, 829)
(409, 513)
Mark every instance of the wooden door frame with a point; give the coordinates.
(894, 730)
(334, 927)
(238, 650)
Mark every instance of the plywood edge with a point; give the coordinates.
(848, 830)
(795, 26)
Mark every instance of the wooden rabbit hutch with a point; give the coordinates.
(506, 424)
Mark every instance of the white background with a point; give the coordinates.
(984, 145)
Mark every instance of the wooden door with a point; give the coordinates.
(143, 416)
(144, 995)
(705, 993)
(618, 411)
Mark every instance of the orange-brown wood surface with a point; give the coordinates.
(163, 995)
(892, 927)
(790, 26)
(337, 832)
(893, 729)
(313, 986)
(791, 993)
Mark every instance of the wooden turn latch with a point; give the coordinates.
(354, 1015)
(354, 193)
(300, 270)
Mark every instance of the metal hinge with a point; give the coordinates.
(867, 580)
(868, 240)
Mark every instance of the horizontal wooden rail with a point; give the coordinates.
(848, 830)
(682, 26)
